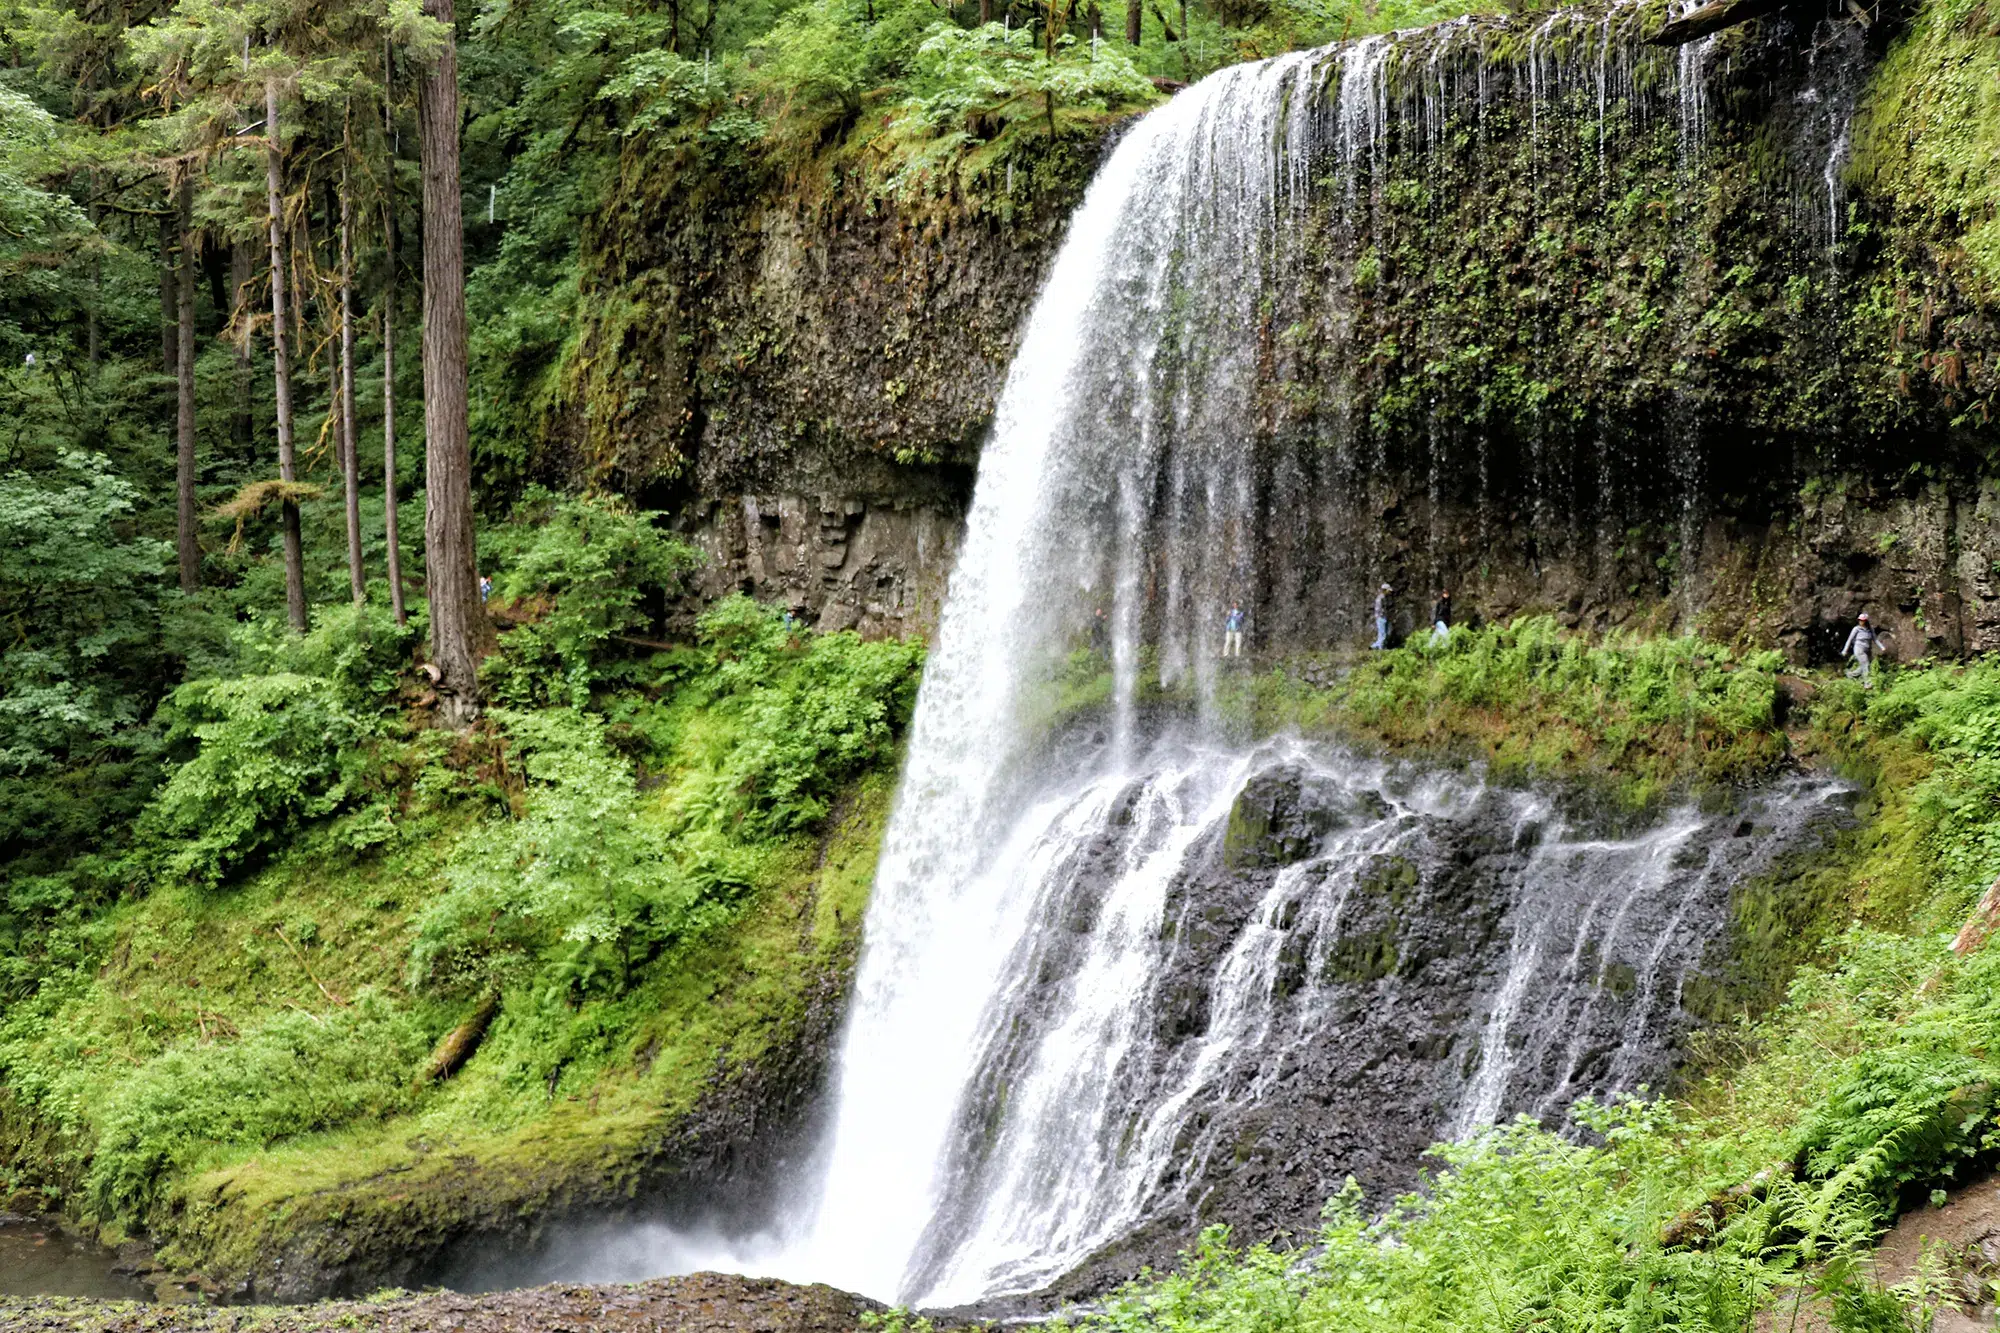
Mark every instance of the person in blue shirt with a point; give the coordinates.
(1232, 632)
(1382, 617)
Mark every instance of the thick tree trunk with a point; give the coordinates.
(1133, 11)
(186, 545)
(281, 370)
(242, 273)
(350, 450)
(450, 567)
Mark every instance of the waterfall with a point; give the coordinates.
(1054, 1035)
(1126, 971)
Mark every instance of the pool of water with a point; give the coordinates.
(37, 1259)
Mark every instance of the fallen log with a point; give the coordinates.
(1695, 1227)
(1702, 20)
(460, 1043)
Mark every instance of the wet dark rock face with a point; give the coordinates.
(1435, 953)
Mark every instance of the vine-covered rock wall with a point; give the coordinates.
(1692, 337)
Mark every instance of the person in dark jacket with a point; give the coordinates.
(1441, 613)
(1382, 617)
(1862, 643)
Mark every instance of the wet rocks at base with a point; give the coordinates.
(700, 1303)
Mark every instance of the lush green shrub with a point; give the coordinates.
(272, 752)
(759, 727)
(579, 571)
(809, 713)
(79, 592)
(1954, 713)
(294, 1074)
(581, 887)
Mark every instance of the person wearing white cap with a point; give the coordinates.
(1382, 616)
(1861, 642)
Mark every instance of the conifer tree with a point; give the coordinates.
(350, 461)
(281, 369)
(185, 538)
(452, 576)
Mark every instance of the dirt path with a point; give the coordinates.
(702, 1303)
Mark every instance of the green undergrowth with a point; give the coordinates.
(1929, 135)
(1645, 716)
(653, 857)
(1869, 1087)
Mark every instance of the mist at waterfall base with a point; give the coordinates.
(1128, 972)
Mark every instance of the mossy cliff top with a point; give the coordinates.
(1564, 321)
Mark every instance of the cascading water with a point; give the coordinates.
(1125, 969)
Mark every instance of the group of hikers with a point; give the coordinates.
(1863, 646)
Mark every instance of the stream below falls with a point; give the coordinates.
(37, 1258)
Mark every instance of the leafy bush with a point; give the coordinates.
(79, 593)
(806, 719)
(580, 885)
(959, 70)
(579, 569)
(359, 650)
(760, 727)
(294, 1074)
(273, 751)
(1954, 713)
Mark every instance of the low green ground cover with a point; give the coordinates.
(1647, 715)
(650, 858)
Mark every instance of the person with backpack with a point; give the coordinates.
(1232, 632)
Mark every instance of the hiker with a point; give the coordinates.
(1861, 644)
(1100, 633)
(1232, 632)
(1382, 617)
(485, 588)
(1441, 614)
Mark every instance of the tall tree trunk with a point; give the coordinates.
(451, 571)
(242, 273)
(170, 341)
(389, 387)
(185, 540)
(1132, 15)
(274, 189)
(350, 451)
(985, 12)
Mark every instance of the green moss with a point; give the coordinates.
(1928, 137)
(480, 1154)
